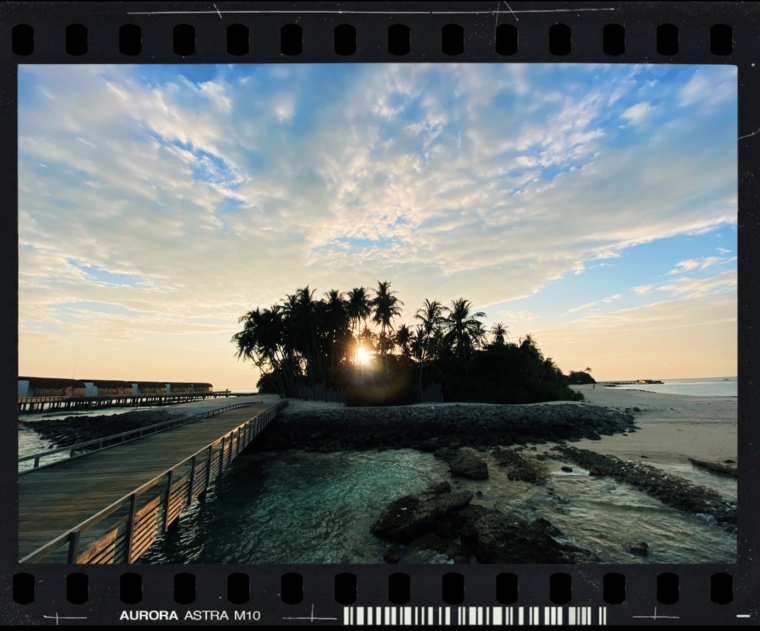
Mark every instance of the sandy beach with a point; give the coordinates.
(673, 427)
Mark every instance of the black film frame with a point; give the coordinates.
(536, 42)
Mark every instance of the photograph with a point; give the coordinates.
(365, 313)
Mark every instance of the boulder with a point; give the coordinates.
(567, 469)
(468, 465)
(544, 525)
(409, 517)
(502, 539)
(440, 488)
(640, 549)
(421, 548)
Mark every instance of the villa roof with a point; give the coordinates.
(53, 382)
(106, 383)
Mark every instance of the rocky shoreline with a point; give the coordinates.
(431, 427)
(441, 526)
(669, 489)
(80, 429)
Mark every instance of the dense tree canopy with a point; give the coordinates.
(349, 341)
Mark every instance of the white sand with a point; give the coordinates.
(674, 427)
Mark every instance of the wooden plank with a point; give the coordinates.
(57, 498)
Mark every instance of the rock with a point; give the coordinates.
(567, 469)
(393, 555)
(639, 549)
(519, 468)
(729, 461)
(645, 456)
(478, 493)
(454, 445)
(445, 454)
(440, 488)
(419, 550)
(670, 489)
(409, 517)
(468, 465)
(502, 539)
(715, 467)
(545, 526)
(431, 444)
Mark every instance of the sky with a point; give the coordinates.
(592, 206)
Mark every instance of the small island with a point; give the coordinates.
(347, 342)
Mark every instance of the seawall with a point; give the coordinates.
(432, 426)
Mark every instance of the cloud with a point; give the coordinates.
(581, 308)
(708, 90)
(642, 289)
(518, 316)
(727, 281)
(637, 113)
(695, 264)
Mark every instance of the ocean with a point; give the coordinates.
(703, 387)
(306, 507)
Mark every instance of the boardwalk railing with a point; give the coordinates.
(137, 518)
(49, 403)
(106, 442)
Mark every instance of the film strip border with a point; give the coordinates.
(380, 31)
(291, 590)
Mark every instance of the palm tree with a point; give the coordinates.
(431, 316)
(262, 340)
(386, 307)
(588, 370)
(335, 323)
(403, 339)
(531, 356)
(500, 334)
(359, 306)
(464, 330)
(303, 316)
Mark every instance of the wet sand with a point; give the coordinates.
(674, 427)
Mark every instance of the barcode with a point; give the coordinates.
(459, 616)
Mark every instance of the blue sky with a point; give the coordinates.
(590, 205)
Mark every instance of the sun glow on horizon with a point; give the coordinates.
(362, 356)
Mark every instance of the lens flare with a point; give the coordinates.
(362, 356)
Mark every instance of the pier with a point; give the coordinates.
(27, 405)
(108, 506)
(637, 382)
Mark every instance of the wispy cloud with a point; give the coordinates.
(518, 316)
(637, 113)
(642, 290)
(695, 264)
(685, 286)
(581, 308)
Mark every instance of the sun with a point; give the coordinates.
(362, 356)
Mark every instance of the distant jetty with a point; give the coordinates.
(629, 383)
(38, 394)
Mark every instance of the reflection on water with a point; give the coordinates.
(302, 507)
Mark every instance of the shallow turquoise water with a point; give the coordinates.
(302, 507)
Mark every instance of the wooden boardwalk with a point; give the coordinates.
(60, 497)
